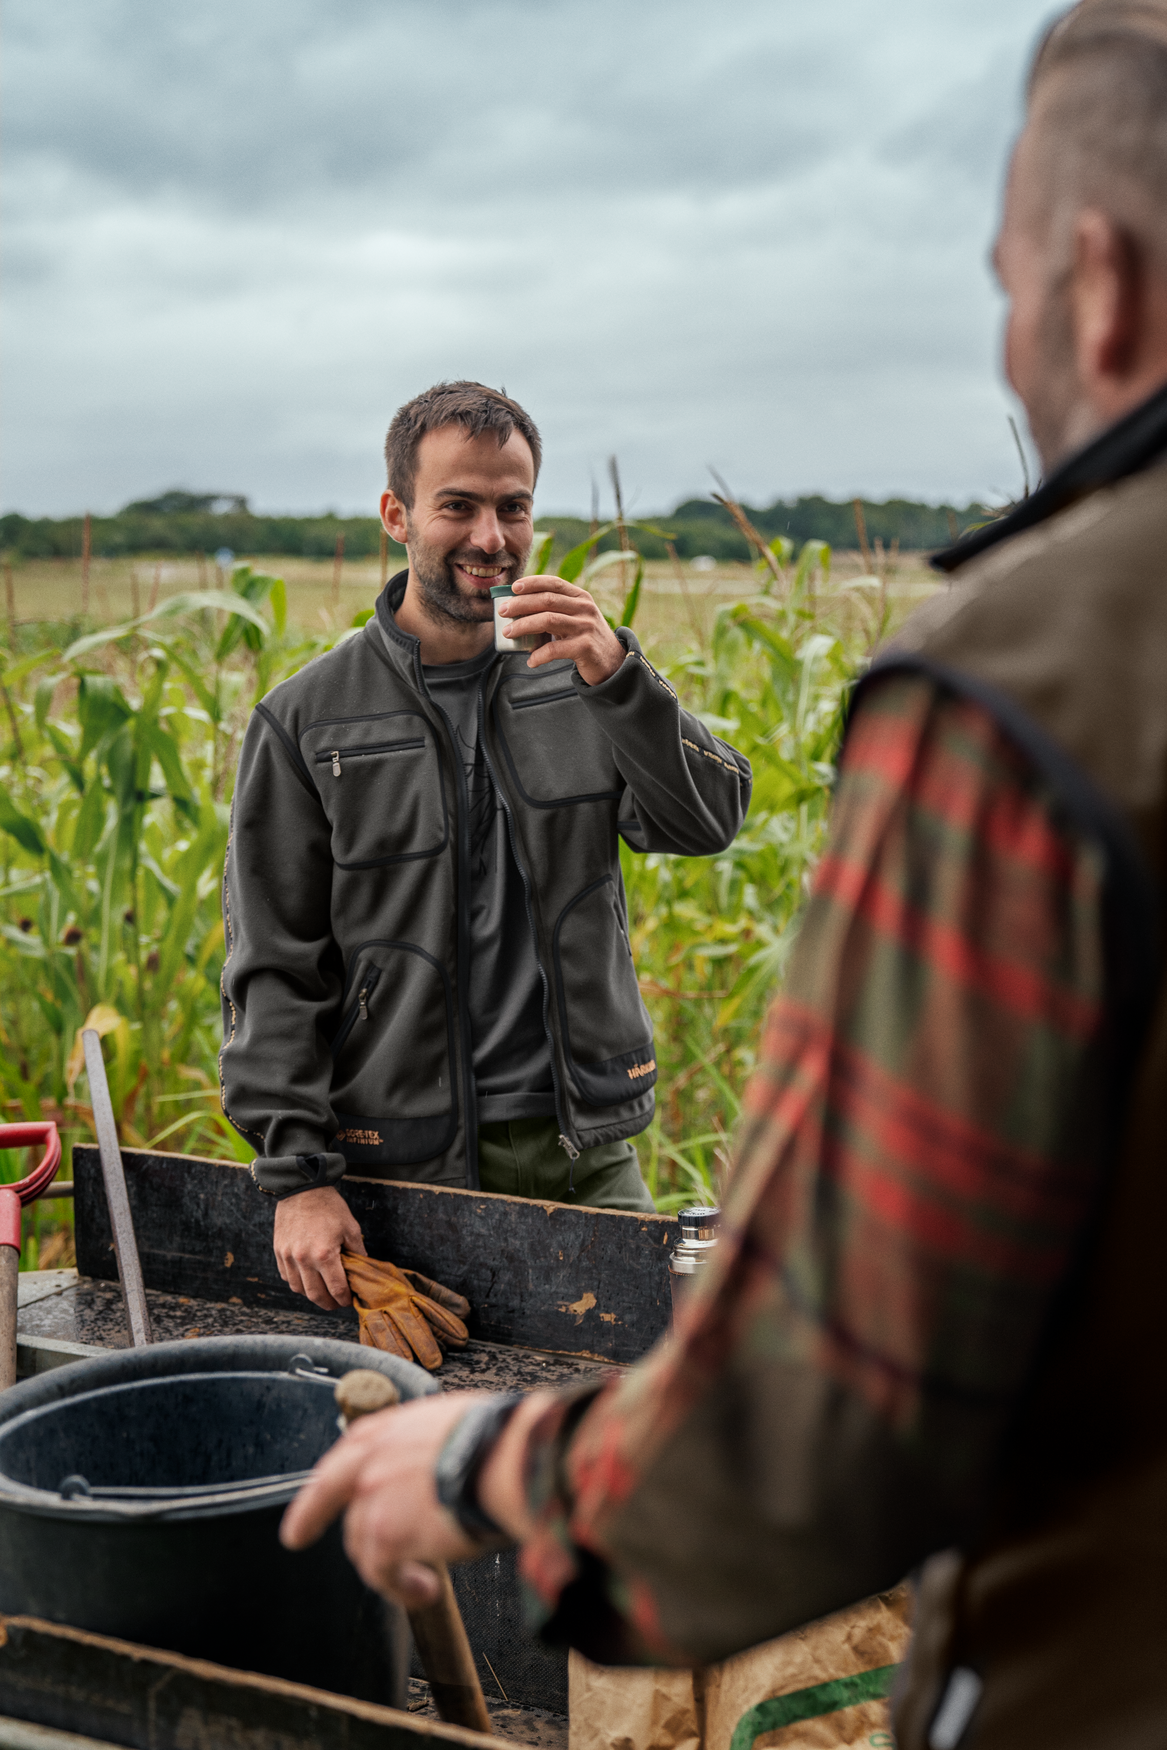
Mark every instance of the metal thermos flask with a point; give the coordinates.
(691, 1252)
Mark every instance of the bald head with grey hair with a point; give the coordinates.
(1083, 246)
(1098, 99)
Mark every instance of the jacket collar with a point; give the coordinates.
(1130, 445)
(385, 612)
(401, 649)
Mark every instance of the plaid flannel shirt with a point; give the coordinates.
(916, 1161)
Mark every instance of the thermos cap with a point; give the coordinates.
(695, 1246)
(699, 1222)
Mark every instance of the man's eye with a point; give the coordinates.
(519, 508)
(457, 505)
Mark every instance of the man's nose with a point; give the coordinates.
(487, 533)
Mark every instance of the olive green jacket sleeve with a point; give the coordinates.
(687, 791)
(282, 975)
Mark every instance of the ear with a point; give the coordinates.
(394, 518)
(1107, 304)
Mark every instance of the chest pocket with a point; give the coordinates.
(380, 780)
(555, 751)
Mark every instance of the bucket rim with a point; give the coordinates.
(323, 1361)
(164, 1503)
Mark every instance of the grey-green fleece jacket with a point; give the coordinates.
(346, 1032)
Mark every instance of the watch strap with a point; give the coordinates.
(464, 1451)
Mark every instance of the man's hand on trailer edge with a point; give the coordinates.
(312, 1228)
(381, 1476)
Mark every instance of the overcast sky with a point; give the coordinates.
(240, 232)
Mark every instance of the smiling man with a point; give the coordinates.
(428, 968)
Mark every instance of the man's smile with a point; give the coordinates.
(479, 575)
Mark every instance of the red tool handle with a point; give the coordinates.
(12, 1197)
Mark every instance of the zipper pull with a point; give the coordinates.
(363, 999)
(336, 762)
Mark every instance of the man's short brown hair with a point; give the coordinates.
(472, 406)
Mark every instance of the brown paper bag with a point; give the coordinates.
(823, 1687)
(617, 1707)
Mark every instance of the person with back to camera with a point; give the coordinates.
(933, 1335)
(428, 971)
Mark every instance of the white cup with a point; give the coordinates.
(522, 641)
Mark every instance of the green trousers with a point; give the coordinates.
(523, 1158)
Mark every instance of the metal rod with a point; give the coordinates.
(9, 1269)
(58, 1188)
(112, 1171)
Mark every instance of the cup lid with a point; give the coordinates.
(501, 589)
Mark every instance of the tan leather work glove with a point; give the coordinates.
(404, 1312)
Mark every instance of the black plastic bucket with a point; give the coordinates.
(140, 1496)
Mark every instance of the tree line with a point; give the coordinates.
(182, 522)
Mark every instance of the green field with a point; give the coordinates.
(117, 754)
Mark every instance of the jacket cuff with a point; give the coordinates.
(287, 1175)
(622, 686)
(574, 1597)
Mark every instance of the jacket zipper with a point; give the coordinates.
(462, 961)
(357, 1011)
(356, 753)
(567, 1141)
(469, 1090)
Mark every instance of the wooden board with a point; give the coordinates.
(125, 1694)
(581, 1281)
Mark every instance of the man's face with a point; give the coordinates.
(1039, 335)
(469, 526)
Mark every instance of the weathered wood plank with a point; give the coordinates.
(136, 1696)
(546, 1275)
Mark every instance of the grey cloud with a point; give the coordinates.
(244, 107)
(239, 235)
(967, 134)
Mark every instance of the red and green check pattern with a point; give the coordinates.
(916, 1161)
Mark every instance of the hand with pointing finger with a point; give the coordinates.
(573, 619)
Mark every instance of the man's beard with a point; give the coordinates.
(438, 586)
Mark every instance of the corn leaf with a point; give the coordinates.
(25, 831)
(208, 845)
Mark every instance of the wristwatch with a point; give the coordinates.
(467, 1447)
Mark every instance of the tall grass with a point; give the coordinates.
(118, 754)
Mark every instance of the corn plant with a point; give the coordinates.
(711, 935)
(113, 825)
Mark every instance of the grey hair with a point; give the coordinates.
(1098, 85)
